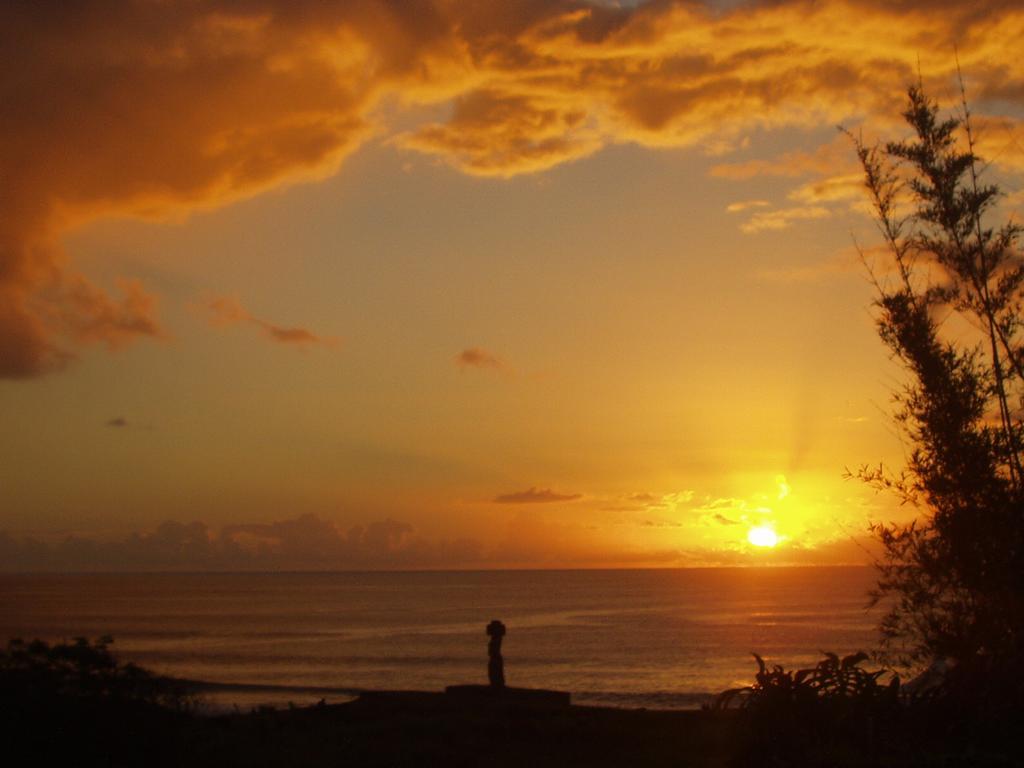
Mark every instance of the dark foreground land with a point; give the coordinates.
(393, 729)
(74, 705)
(429, 729)
(424, 729)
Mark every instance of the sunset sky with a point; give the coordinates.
(455, 284)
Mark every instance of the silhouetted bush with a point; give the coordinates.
(833, 713)
(840, 714)
(74, 703)
(82, 670)
(975, 712)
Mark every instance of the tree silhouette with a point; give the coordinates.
(76, 704)
(949, 308)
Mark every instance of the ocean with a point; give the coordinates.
(625, 638)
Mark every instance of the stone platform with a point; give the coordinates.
(534, 698)
(466, 697)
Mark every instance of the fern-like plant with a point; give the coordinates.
(830, 712)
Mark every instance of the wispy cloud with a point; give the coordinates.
(783, 218)
(830, 189)
(122, 423)
(535, 496)
(746, 205)
(475, 357)
(822, 160)
(643, 497)
(841, 265)
(644, 501)
(227, 310)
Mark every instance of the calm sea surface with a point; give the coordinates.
(632, 638)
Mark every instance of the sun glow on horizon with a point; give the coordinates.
(762, 536)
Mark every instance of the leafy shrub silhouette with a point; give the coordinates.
(75, 704)
(82, 670)
(831, 680)
(831, 713)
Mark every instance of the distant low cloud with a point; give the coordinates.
(227, 310)
(118, 422)
(309, 542)
(306, 542)
(535, 496)
(475, 357)
(845, 550)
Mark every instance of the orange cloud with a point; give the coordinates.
(227, 310)
(89, 315)
(157, 108)
(149, 109)
(501, 134)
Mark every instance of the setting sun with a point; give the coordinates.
(762, 536)
(476, 316)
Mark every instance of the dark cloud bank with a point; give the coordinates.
(301, 543)
(535, 496)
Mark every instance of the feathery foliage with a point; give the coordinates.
(949, 308)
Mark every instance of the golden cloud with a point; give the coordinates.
(155, 108)
(783, 218)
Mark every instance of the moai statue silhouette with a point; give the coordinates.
(495, 665)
